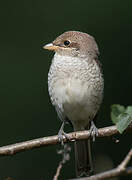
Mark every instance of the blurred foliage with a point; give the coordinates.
(9, 178)
(121, 116)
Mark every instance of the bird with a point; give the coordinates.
(75, 85)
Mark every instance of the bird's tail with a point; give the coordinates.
(83, 159)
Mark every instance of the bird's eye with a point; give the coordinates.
(66, 43)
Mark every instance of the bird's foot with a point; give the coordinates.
(62, 134)
(93, 130)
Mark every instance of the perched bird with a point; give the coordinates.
(75, 85)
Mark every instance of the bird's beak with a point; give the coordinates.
(51, 47)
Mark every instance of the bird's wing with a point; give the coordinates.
(60, 113)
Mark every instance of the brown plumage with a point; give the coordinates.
(76, 88)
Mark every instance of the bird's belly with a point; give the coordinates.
(76, 99)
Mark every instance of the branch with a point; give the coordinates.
(65, 152)
(58, 171)
(52, 140)
(121, 170)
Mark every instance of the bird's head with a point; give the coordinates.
(74, 43)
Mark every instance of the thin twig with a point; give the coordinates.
(58, 171)
(121, 170)
(65, 152)
(126, 160)
(51, 140)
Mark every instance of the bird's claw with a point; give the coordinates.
(61, 136)
(93, 131)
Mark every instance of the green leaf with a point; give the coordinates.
(116, 111)
(129, 110)
(124, 120)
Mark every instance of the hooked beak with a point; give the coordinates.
(51, 47)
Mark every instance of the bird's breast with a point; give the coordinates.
(71, 91)
(76, 99)
(74, 88)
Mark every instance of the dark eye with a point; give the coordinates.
(66, 43)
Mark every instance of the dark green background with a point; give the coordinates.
(25, 109)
